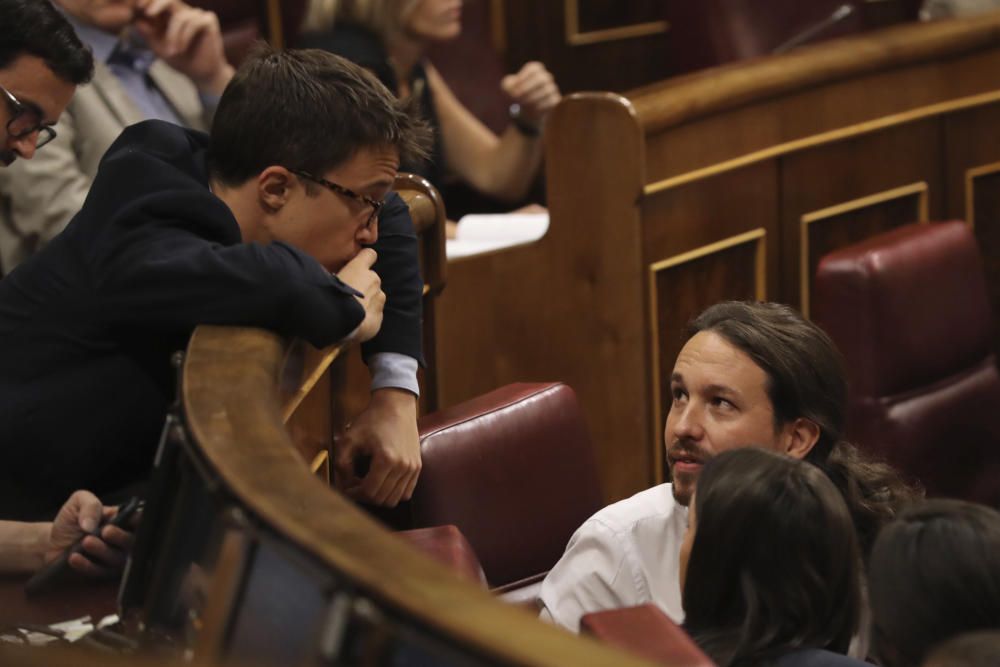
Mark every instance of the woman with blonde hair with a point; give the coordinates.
(390, 37)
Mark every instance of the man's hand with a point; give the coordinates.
(358, 274)
(534, 89)
(81, 515)
(186, 38)
(387, 432)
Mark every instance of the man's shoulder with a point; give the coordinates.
(654, 506)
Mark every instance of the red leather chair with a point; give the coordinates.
(514, 470)
(647, 632)
(910, 313)
(448, 546)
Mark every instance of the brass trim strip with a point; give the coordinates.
(329, 354)
(498, 26)
(576, 38)
(275, 30)
(805, 280)
(970, 176)
(760, 275)
(320, 465)
(830, 136)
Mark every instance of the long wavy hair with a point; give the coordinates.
(775, 564)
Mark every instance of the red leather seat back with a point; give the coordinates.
(909, 311)
(515, 471)
(648, 632)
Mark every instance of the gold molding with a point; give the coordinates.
(923, 214)
(576, 38)
(757, 235)
(970, 176)
(325, 358)
(498, 26)
(274, 24)
(830, 136)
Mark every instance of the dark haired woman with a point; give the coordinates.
(770, 569)
(934, 573)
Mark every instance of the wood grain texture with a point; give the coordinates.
(686, 163)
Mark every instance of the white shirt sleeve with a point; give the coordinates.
(596, 572)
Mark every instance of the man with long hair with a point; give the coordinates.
(749, 375)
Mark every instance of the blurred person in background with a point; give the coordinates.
(390, 38)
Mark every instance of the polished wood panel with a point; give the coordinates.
(605, 45)
(562, 309)
(820, 147)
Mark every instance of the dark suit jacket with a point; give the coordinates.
(87, 326)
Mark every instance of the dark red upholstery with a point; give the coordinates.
(515, 471)
(647, 632)
(909, 311)
(448, 546)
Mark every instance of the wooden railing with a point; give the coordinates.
(246, 556)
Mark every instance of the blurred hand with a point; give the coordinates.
(186, 38)
(387, 432)
(102, 554)
(534, 89)
(358, 274)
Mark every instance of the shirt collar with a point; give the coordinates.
(101, 43)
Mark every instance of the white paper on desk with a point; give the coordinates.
(480, 233)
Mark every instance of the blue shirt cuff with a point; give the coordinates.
(391, 369)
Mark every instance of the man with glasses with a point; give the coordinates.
(41, 63)
(158, 59)
(267, 222)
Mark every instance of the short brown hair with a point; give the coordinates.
(306, 109)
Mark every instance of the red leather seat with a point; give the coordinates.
(647, 632)
(515, 471)
(910, 313)
(448, 546)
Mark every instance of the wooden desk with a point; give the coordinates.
(96, 599)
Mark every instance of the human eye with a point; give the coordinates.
(678, 393)
(722, 403)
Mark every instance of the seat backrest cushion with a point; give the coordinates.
(515, 471)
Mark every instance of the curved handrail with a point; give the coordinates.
(720, 88)
(231, 402)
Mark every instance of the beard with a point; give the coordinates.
(687, 453)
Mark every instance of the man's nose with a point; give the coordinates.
(687, 422)
(24, 146)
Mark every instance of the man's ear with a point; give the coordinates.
(800, 436)
(274, 185)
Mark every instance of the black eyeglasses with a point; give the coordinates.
(347, 192)
(26, 119)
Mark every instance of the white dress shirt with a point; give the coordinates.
(625, 555)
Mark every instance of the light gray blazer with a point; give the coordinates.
(39, 196)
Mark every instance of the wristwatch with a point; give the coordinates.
(523, 125)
